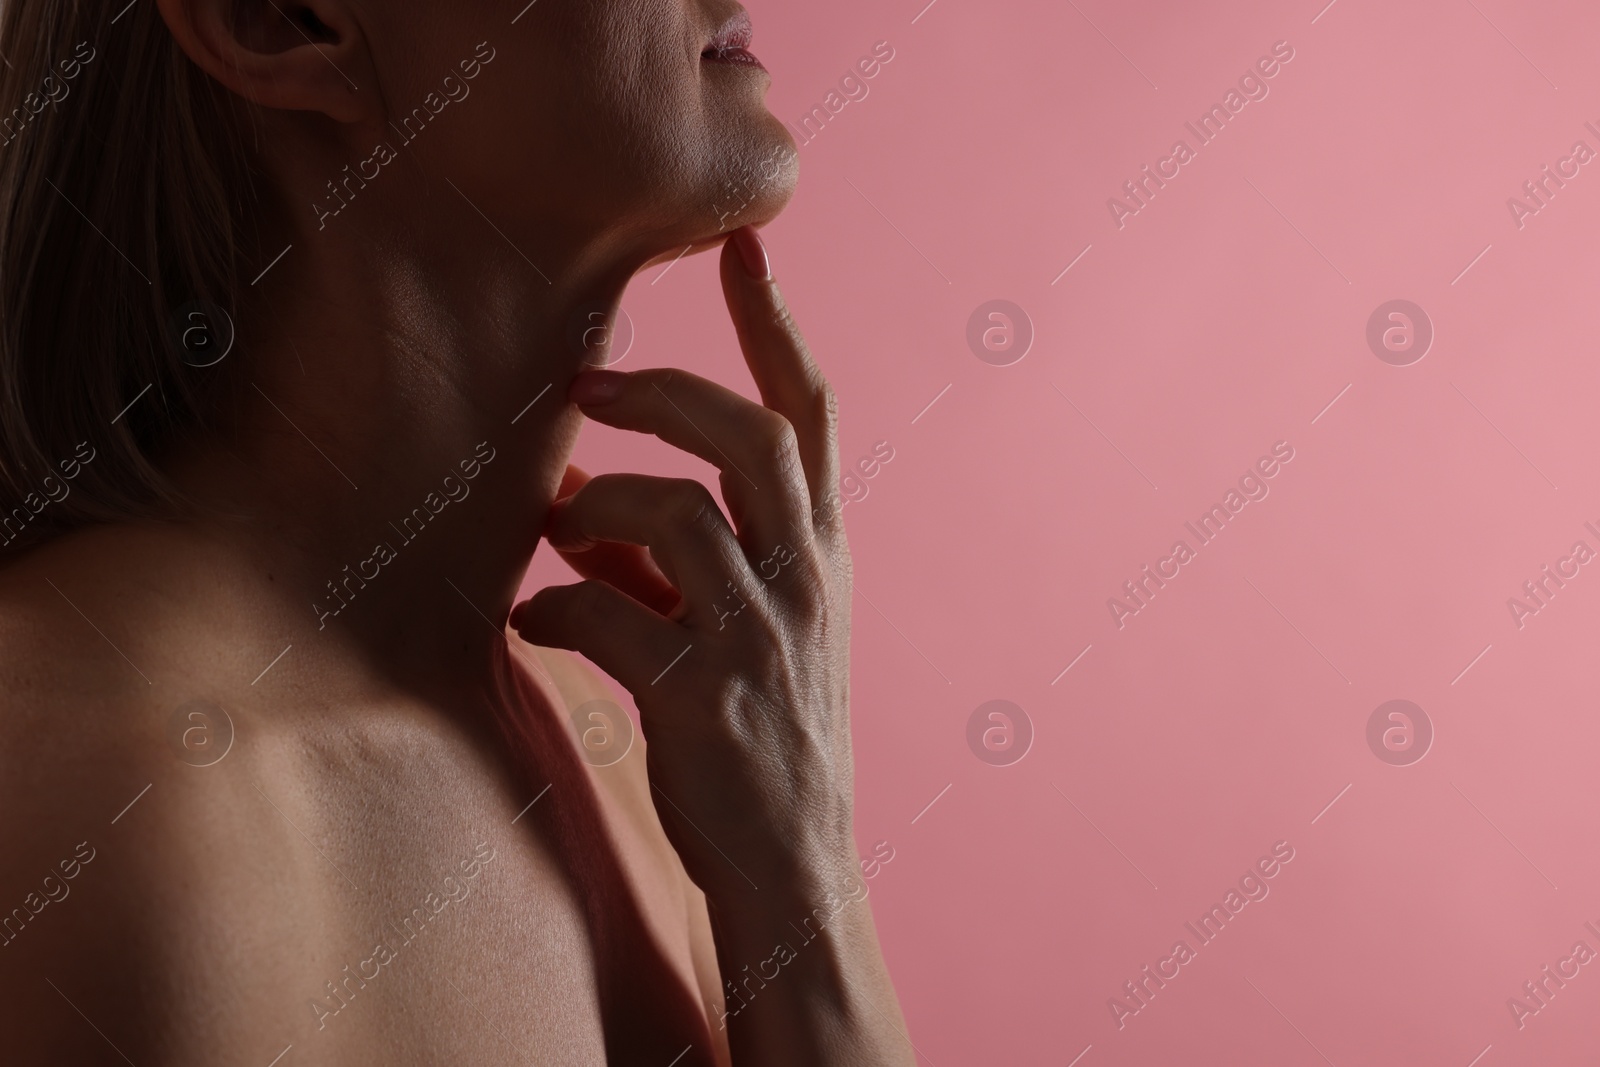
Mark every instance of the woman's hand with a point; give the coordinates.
(735, 646)
(732, 633)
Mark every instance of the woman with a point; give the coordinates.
(290, 294)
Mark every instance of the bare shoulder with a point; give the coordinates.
(101, 837)
(72, 702)
(615, 751)
(602, 729)
(72, 706)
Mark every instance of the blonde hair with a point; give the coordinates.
(123, 184)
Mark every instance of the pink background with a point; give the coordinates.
(1221, 319)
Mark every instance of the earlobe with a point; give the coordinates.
(291, 55)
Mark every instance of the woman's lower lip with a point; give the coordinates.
(738, 57)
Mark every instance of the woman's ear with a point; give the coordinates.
(294, 55)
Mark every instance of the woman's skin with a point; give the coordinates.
(401, 771)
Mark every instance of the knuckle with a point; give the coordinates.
(726, 690)
(778, 437)
(827, 401)
(780, 448)
(808, 569)
(687, 503)
(816, 580)
(587, 601)
(804, 588)
(655, 385)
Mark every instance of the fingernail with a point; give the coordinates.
(753, 253)
(596, 386)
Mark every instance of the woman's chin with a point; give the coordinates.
(717, 225)
(690, 248)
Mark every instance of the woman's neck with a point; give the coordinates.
(395, 436)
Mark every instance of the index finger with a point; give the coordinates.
(788, 379)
